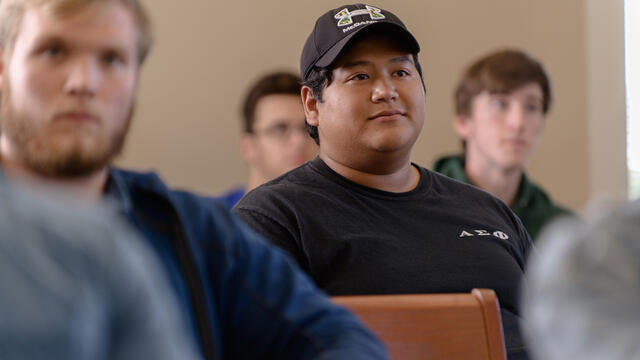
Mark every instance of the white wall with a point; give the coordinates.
(606, 106)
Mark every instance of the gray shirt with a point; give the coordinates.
(77, 284)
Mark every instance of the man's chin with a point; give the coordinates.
(65, 157)
(69, 167)
(513, 165)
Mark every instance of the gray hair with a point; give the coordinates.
(580, 299)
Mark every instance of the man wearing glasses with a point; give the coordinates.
(274, 138)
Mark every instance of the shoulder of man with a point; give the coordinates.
(538, 197)
(291, 185)
(273, 209)
(151, 182)
(207, 220)
(148, 180)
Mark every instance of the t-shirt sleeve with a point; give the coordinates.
(523, 242)
(270, 221)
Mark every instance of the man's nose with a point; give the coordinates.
(516, 116)
(384, 90)
(83, 77)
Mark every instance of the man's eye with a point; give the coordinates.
(533, 108)
(500, 103)
(360, 77)
(402, 73)
(112, 58)
(279, 129)
(53, 51)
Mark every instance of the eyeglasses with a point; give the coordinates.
(281, 131)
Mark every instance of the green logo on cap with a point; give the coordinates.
(345, 17)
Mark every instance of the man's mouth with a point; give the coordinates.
(387, 115)
(76, 116)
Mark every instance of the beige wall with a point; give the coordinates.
(206, 54)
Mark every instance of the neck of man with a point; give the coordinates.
(90, 187)
(502, 182)
(396, 177)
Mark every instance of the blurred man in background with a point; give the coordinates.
(501, 103)
(274, 138)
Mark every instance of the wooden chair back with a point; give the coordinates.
(433, 326)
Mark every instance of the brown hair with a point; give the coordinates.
(12, 11)
(501, 72)
(270, 84)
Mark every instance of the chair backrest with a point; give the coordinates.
(433, 326)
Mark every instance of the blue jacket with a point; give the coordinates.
(244, 298)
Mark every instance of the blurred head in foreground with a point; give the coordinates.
(581, 296)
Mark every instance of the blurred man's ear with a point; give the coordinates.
(1, 68)
(247, 148)
(461, 125)
(310, 105)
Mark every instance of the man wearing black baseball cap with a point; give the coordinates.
(361, 218)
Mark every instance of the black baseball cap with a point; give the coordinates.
(335, 29)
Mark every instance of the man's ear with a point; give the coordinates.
(310, 105)
(1, 68)
(247, 148)
(461, 125)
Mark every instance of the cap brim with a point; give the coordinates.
(332, 54)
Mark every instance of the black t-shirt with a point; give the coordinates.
(443, 236)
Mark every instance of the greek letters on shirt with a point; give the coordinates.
(481, 232)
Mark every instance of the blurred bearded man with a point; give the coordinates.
(69, 72)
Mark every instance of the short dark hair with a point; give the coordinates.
(274, 83)
(501, 72)
(319, 78)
